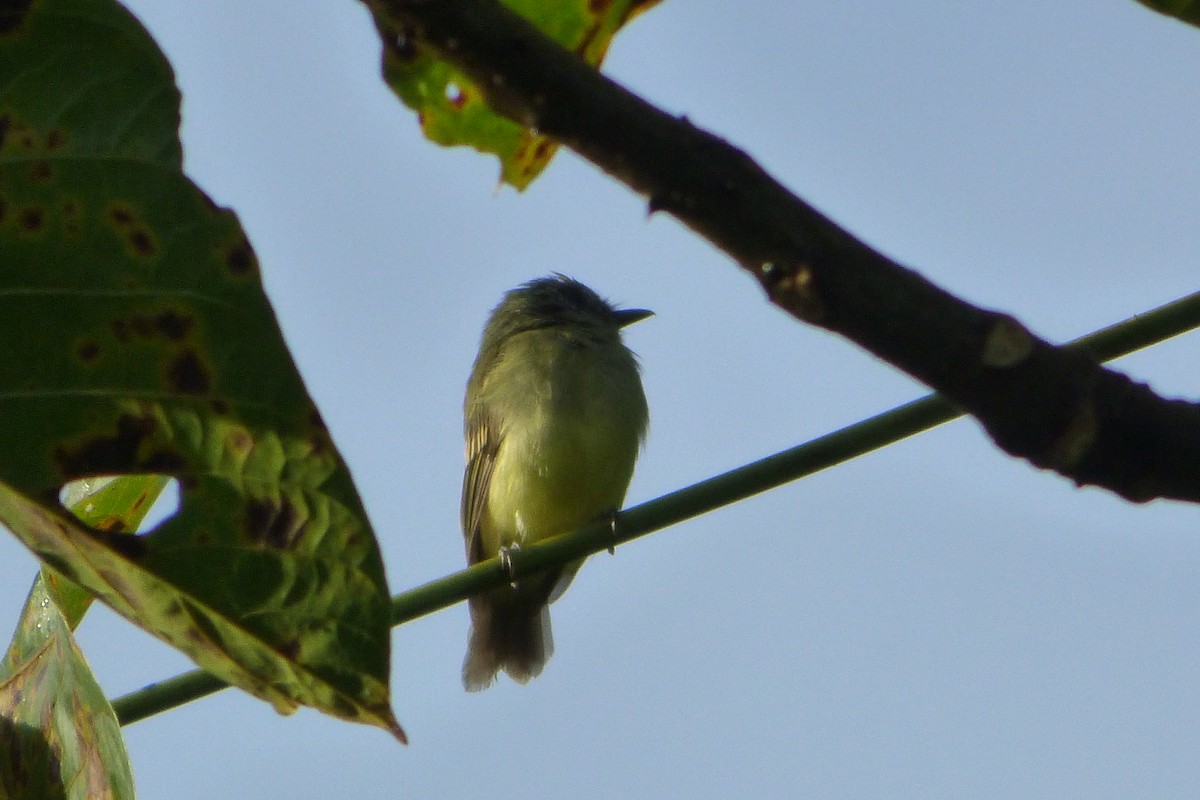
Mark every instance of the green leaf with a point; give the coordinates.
(451, 107)
(1186, 10)
(139, 340)
(59, 737)
(111, 504)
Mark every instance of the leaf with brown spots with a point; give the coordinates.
(107, 504)
(147, 346)
(451, 107)
(59, 737)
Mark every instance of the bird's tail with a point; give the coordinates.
(507, 633)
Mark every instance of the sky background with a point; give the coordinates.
(934, 620)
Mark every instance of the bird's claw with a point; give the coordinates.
(506, 559)
(612, 526)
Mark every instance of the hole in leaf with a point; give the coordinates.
(455, 94)
(121, 503)
(165, 506)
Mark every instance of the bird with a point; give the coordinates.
(555, 416)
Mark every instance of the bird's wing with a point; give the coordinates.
(483, 442)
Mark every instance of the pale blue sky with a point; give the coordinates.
(934, 620)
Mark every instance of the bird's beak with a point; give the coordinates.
(628, 316)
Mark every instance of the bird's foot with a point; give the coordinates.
(612, 514)
(506, 559)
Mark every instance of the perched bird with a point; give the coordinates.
(554, 418)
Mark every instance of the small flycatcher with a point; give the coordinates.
(555, 415)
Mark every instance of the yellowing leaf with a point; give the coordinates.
(59, 737)
(451, 107)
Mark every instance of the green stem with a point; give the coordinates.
(158, 697)
(850, 442)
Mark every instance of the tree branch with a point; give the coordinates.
(1054, 406)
